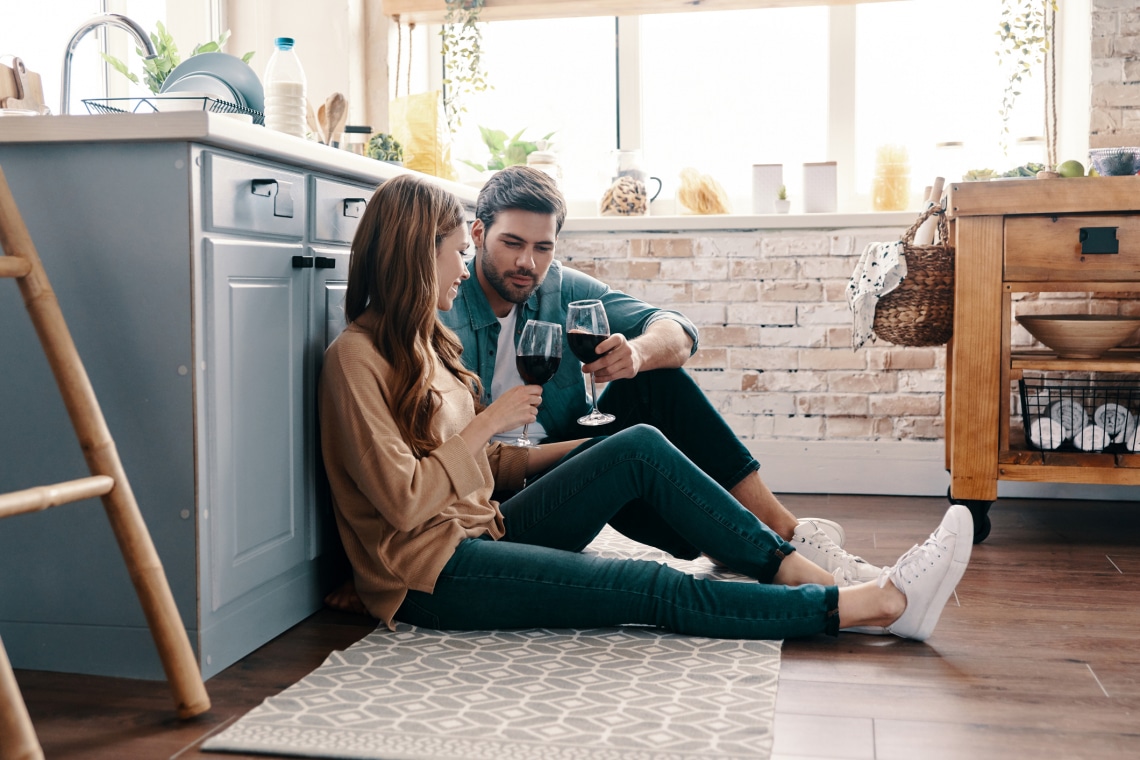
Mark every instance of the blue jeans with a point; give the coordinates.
(671, 401)
(535, 576)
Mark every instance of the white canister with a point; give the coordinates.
(767, 179)
(820, 188)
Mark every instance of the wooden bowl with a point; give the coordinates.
(1080, 336)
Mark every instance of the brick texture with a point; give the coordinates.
(1115, 105)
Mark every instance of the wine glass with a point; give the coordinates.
(539, 354)
(586, 327)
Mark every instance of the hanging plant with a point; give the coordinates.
(1024, 35)
(463, 72)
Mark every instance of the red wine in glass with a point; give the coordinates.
(584, 344)
(586, 327)
(536, 370)
(537, 358)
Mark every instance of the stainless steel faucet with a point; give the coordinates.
(103, 19)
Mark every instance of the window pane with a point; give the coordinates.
(928, 75)
(555, 75)
(725, 90)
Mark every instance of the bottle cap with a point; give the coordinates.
(283, 43)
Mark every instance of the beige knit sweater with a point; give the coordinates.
(400, 517)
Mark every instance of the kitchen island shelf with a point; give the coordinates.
(1025, 237)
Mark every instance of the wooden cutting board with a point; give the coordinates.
(20, 88)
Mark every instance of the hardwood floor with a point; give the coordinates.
(1037, 657)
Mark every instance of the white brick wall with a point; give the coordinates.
(775, 354)
(1115, 107)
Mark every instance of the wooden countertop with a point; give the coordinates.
(206, 128)
(1073, 195)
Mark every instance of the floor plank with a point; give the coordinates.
(1037, 656)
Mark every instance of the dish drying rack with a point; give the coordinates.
(148, 105)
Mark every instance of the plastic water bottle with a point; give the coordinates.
(285, 97)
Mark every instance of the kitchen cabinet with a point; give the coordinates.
(1025, 236)
(202, 272)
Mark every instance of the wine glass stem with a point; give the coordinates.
(593, 392)
(524, 437)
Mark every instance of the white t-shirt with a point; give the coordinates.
(507, 376)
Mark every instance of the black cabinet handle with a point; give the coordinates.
(1098, 240)
(325, 262)
(354, 207)
(281, 192)
(302, 262)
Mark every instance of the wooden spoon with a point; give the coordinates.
(336, 108)
(323, 123)
(314, 125)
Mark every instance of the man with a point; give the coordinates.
(519, 213)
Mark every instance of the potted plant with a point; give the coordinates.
(782, 204)
(462, 47)
(384, 147)
(505, 151)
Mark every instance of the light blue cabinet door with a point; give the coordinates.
(255, 321)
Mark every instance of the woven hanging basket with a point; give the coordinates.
(920, 311)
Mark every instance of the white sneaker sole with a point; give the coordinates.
(962, 525)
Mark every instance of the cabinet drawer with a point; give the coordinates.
(337, 208)
(1062, 248)
(242, 196)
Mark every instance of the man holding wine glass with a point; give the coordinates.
(638, 350)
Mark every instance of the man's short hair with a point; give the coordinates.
(520, 187)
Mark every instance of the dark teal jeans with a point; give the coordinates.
(535, 576)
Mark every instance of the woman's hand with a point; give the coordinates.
(513, 409)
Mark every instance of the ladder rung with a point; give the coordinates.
(12, 266)
(43, 497)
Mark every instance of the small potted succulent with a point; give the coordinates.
(782, 204)
(384, 147)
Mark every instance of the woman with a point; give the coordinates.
(412, 474)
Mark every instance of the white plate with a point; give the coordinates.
(231, 70)
(201, 85)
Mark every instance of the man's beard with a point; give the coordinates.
(508, 291)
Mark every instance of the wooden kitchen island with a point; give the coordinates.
(1029, 236)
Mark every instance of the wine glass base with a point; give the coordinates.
(524, 443)
(596, 418)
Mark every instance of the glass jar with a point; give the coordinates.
(890, 189)
(546, 161)
(356, 138)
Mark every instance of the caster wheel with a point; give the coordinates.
(979, 510)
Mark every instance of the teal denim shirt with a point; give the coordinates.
(565, 397)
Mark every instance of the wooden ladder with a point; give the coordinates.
(108, 481)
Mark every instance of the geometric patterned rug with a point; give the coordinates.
(627, 693)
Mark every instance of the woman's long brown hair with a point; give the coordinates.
(392, 274)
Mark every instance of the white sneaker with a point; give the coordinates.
(813, 542)
(833, 529)
(927, 574)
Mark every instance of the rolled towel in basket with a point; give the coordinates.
(1091, 438)
(1115, 419)
(1070, 414)
(1046, 433)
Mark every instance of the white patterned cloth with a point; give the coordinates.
(881, 268)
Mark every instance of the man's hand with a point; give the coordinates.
(620, 359)
(663, 345)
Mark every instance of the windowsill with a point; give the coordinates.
(624, 225)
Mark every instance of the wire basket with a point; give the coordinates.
(1088, 415)
(185, 103)
(920, 311)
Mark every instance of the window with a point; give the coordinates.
(723, 90)
(535, 90)
(42, 46)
